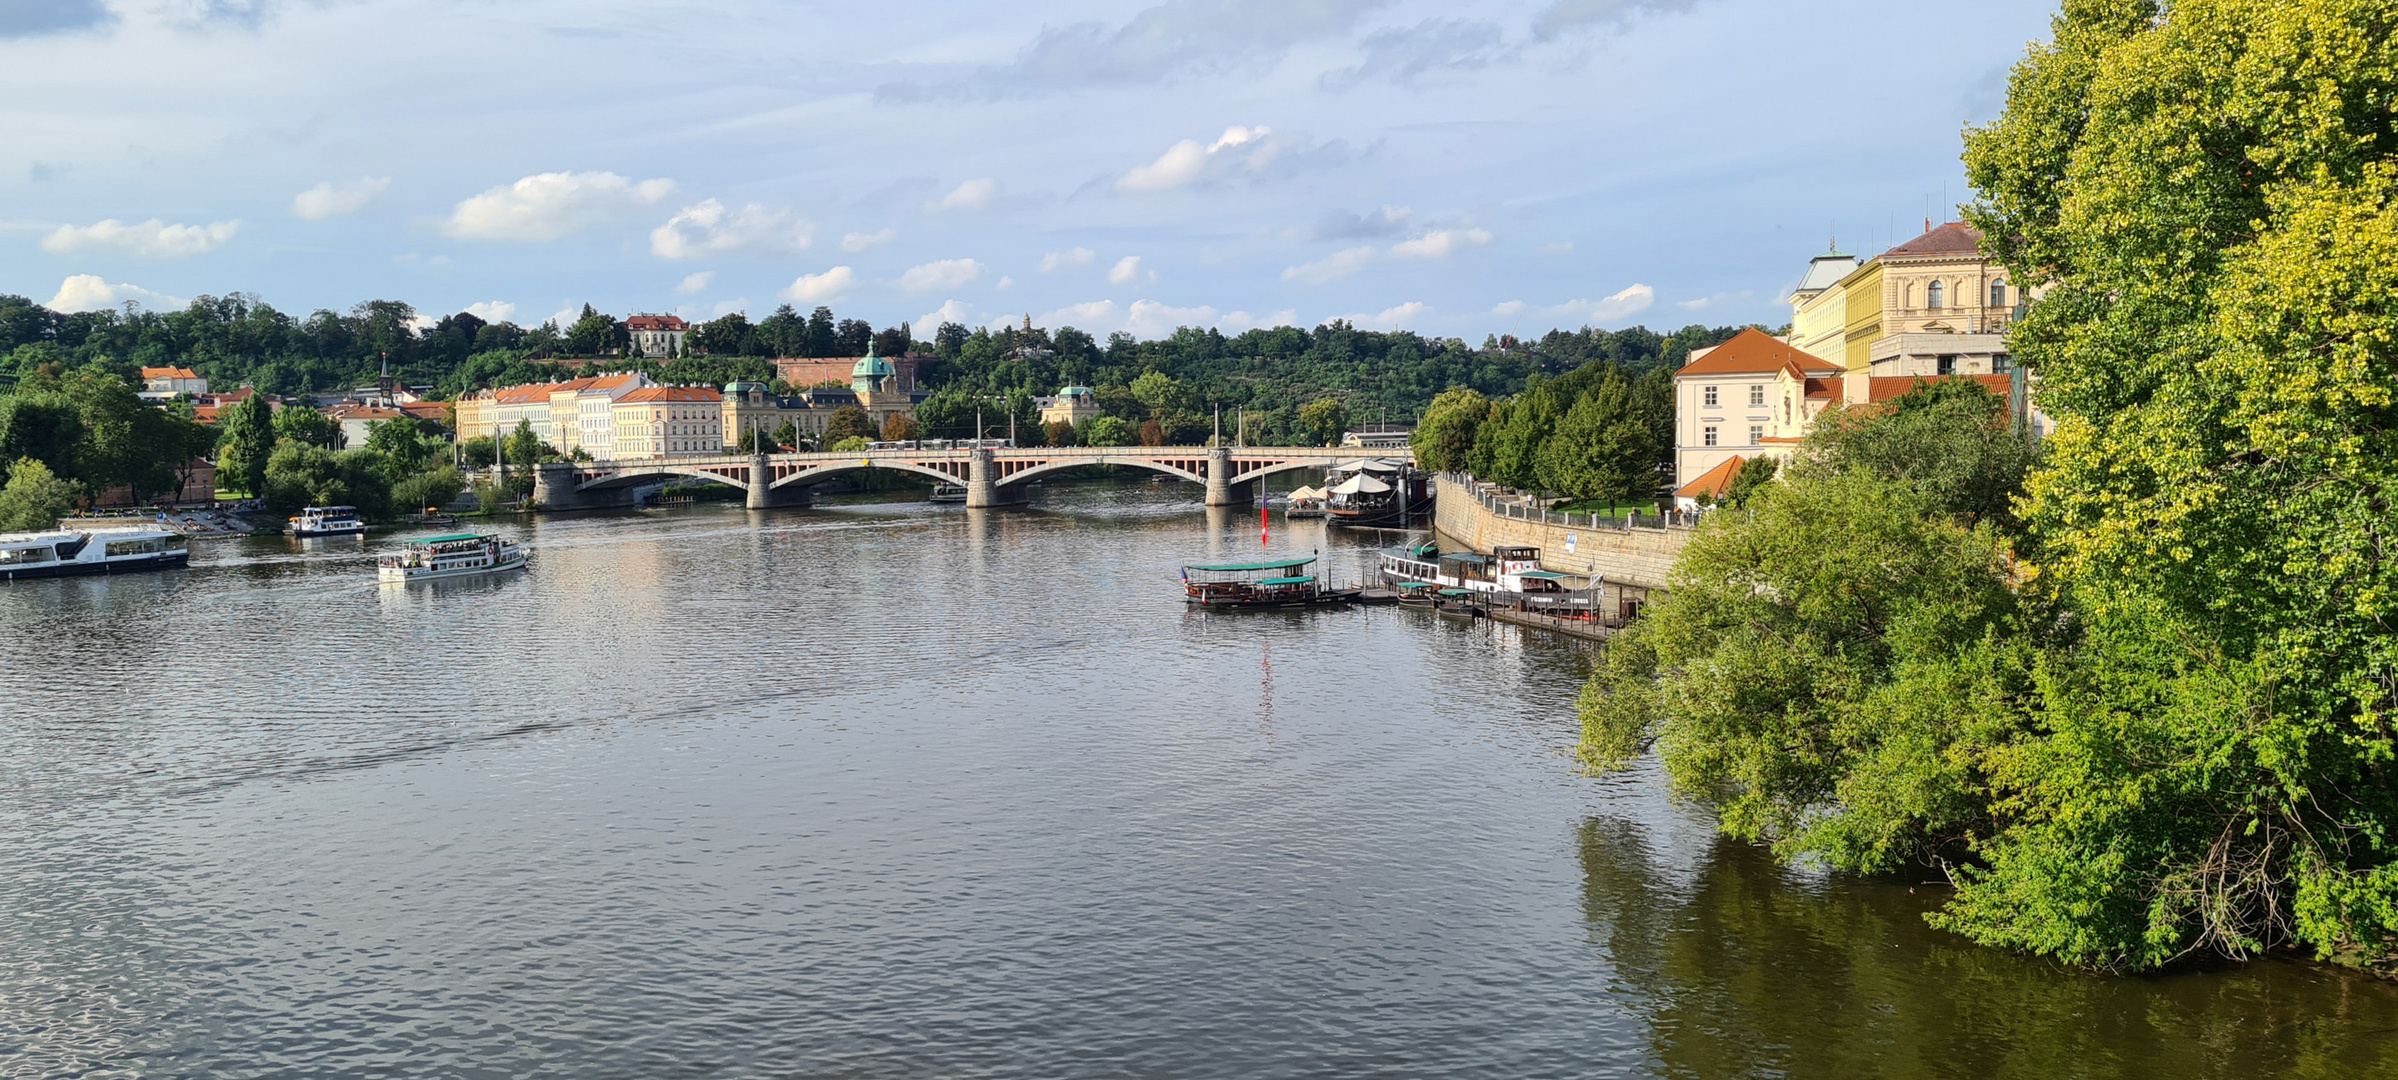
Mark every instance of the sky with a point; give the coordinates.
(1459, 169)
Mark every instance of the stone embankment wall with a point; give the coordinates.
(1637, 556)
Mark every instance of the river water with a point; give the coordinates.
(895, 790)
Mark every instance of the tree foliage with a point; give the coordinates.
(34, 498)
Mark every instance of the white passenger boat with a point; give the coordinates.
(1504, 570)
(327, 521)
(434, 558)
(69, 552)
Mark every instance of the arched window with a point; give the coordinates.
(1910, 300)
(1931, 295)
(1998, 292)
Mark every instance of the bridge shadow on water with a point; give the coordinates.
(1744, 968)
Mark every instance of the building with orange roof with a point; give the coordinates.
(162, 383)
(1709, 485)
(668, 421)
(567, 415)
(1755, 394)
(657, 336)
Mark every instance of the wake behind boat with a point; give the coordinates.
(71, 552)
(436, 558)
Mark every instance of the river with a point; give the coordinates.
(896, 790)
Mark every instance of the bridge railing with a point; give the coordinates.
(1509, 503)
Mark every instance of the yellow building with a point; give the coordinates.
(1819, 307)
(1071, 406)
(668, 421)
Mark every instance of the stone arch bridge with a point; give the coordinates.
(991, 477)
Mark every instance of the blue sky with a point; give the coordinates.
(1455, 168)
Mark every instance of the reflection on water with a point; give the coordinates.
(1746, 969)
(891, 789)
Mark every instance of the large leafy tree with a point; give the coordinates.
(1446, 436)
(247, 439)
(34, 498)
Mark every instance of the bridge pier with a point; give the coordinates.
(982, 483)
(554, 487)
(1221, 491)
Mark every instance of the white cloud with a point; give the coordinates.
(971, 195)
(696, 282)
(566, 316)
(1394, 318)
(1186, 162)
(1086, 316)
(1339, 264)
(1705, 302)
(1152, 319)
(824, 286)
(949, 312)
(710, 228)
(420, 323)
(88, 292)
(1508, 309)
(944, 274)
(329, 199)
(152, 239)
(1127, 269)
(1004, 282)
(491, 310)
(546, 206)
(1058, 260)
(1440, 244)
(1632, 300)
(859, 241)
(1242, 320)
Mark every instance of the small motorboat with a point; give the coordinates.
(328, 521)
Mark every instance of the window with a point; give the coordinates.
(1998, 293)
(1948, 365)
(1756, 396)
(1910, 296)
(1708, 397)
(2002, 364)
(1756, 434)
(1931, 295)
(1707, 436)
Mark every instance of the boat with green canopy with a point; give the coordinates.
(1268, 583)
(431, 558)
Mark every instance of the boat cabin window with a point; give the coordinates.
(132, 547)
(22, 556)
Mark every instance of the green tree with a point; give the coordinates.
(1324, 420)
(1106, 431)
(429, 490)
(787, 434)
(524, 447)
(404, 441)
(1444, 439)
(34, 497)
(299, 474)
(847, 422)
(1755, 473)
(244, 445)
(477, 452)
(849, 445)
(305, 425)
(1603, 448)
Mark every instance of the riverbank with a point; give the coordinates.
(1635, 561)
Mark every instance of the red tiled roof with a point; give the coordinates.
(1822, 388)
(656, 322)
(1954, 238)
(169, 373)
(1712, 482)
(1884, 387)
(1755, 352)
(427, 410)
(671, 393)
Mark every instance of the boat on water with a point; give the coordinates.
(434, 558)
(1376, 493)
(1271, 583)
(71, 552)
(948, 493)
(327, 521)
(1304, 502)
(1504, 570)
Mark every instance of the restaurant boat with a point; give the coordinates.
(327, 521)
(1273, 583)
(434, 558)
(70, 552)
(1376, 493)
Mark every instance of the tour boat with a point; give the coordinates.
(68, 552)
(462, 555)
(1272, 583)
(327, 521)
(1504, 570)
(948, 493)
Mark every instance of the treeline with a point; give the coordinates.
(1268, 374)
(2137, 696)
(1603, 433)
(67, 438)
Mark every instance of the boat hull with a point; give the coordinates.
(409, 575)
(1327, 598)
(357, 531)
(168, 560)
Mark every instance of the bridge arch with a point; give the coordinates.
(1280, 467)
(1046, 468)
(636, 478)
(808, 477)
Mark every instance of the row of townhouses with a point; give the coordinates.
(627, 416)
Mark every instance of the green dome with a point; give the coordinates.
(871, 366)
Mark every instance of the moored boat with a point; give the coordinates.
(72, 552)
(433, 558)
(1271, 583)
(328, 521)
(948, 493)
